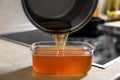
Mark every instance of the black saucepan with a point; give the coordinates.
(59, 16)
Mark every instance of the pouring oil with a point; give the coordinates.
(60, 40)
(61, 59)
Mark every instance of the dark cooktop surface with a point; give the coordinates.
(104, 55)
(28, 37)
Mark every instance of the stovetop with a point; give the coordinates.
(105, 53)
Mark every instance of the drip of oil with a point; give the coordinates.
(60, 40)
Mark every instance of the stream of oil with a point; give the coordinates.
(60, 40)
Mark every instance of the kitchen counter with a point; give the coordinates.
(15, 64)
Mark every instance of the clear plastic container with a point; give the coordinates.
(77, 58)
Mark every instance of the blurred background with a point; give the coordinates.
(102, 31)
